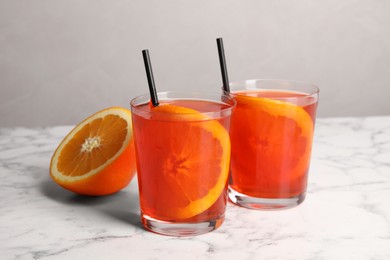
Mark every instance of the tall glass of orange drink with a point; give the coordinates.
(183, 159)
(271, 135)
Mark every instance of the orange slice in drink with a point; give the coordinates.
(97, 157)
(276, 137)
(188, 163)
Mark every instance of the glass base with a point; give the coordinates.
(264, 203)
(182, 229)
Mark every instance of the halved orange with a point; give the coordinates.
(184, 170)
(271, 145)
(97, 157)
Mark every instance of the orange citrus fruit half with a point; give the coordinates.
(97, 157)
(189, 171)
(273, 139)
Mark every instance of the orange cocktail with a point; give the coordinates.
(183, 157)
(271, 134)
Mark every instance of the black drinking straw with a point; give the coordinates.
(222, 63)
(149, 75)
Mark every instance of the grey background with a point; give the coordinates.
(61, 61)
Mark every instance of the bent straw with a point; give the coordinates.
(222, 63)
(149, 75)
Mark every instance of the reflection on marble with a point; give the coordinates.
(346, 214)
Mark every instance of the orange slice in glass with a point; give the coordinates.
(188, 167)
(273, 144)
(97, 157)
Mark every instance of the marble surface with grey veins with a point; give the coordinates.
(346, 214)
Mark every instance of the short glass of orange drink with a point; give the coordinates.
(183, 159)
(271, 135)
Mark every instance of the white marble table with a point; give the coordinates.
(346, 214)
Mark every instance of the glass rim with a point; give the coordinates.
(222, 98)
(294, 83)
